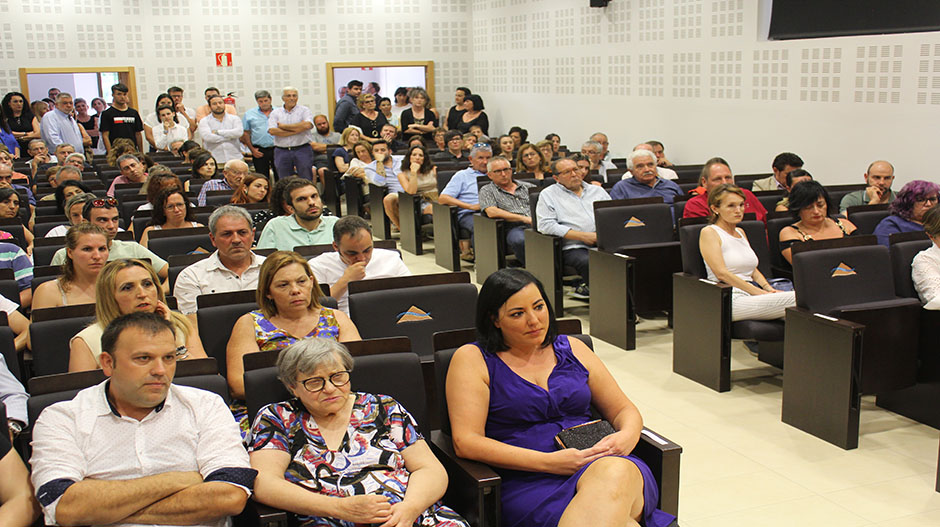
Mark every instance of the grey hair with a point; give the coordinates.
(491, 162)
(76, 154)
(349, 226)
(306, 355)
(229, 210)
(639, 153)
(61, 145)
(593, 144)
(599, 133)
(262, 93)
(232, 162)
(31, 141)
(288, 88)
(125, 157)
(69, 168)
(477, 149)
(62, 95)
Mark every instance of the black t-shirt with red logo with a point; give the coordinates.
(119, 123)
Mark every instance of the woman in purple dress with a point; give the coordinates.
(511, 392)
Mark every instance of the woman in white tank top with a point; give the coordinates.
(729, 258)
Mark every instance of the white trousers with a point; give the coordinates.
(760, 307)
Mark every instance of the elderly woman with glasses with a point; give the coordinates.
(908, 209)
(336, 457)
(369, 120)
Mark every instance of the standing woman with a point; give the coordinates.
(88, 122)
(20, 117)
(170, 134)
(39, 108)
(419, 119)
(99, 106)
(86, 253)
(530, 159)
(474, 116)
(369, 120)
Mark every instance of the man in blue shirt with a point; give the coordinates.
(256, 136)
(59, 126)
(645, 181)
(462, 191)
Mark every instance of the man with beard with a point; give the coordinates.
(221, 132)
(322, 136)
(305, 226)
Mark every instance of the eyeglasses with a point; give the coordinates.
(481, 145)
(173, 206)
(500, 170)
(104, 202)
(316, 384)
(928, 199)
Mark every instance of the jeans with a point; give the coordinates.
(465, 221)
(265, 163)
(515, 240)
(577, 258)
(298, 161)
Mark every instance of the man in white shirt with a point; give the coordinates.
(290, 125)
(221, 132)
(232, 267)
(384, 172)
(137, 449)
(354, 259)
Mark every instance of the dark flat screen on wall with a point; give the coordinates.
(792, 19)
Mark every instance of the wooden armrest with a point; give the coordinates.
(474, 488)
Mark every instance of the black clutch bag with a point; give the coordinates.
(584, 435)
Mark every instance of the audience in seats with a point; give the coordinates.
(645, 181)
(206, 109)
(172, 452)
(810, 204)
(10, 210)
(289, 298)
(453, 151)
(729, 258)
(65, 191)
(291, 126)
(252, 189)
(591, 150)
(86, 253)
(204, 166)
(221, 131)
(455, 113)
(506, 146)
(474, 116)
(601, 139)
(793, 177)
(171, 211)
(354, 258)
(256, 137)
(439, 138)
(418, 177)
(23, 124)
(343, 154)
(322, 136)
(346, 107)
(664, 172)
(660, 150)
(232, 175)
(717, 172)
(369, 119)
(925, 269)
(133, 170)
(878, 177)
(305, 226)
(907, 211)
(232, 267)
(530, 160)
(584, 165)
(419, 120)
(338, 457)
(123, 287)
(6, 181)
(566, 210)
(13, 257)
(507, 200)
(506, 413)
(390, 134)
(39, 159)
(73, 209)
(783, 164)
(59, 126)
(556, 143)
(18, 323)
(547, 149)
(462, 192)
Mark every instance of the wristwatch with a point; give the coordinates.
(16, 427)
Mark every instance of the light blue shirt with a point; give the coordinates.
(257, 125)
(390, 179)
(297, 114)
(284, 233)
(57, 128)
(463, 186)
(559, 210)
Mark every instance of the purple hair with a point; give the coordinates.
(903, 205)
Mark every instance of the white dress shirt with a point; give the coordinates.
(297, 114)
(221, 138)
(209, 276)
(925, 271)
(328, 268)
(85, 438)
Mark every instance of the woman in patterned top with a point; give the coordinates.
(339, 458)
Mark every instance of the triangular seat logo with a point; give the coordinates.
(633, 222)
(843, 269)
(413, 314)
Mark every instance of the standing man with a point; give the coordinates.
(306, 226)
(232, 267)
(566, 210)
(53, 93)
(346, 108)
(717, 172)
(256, 136)
(137, 449)
(59, 126)
(461, 191)
(507, 199)
(645, 181)
(205, 109)
(221, 132)
(183, 114)
(354, 259)
(322, 136)
(878, 177)
(290, 125)
(233, 174)
(783, 164)
(120, 120)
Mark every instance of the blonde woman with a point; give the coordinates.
(86, 253)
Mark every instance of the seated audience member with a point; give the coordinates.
(232, 175)
(73, 209)
(878, 177)
(78, 161)
(907, 211)
(123, 287)
(187, 149)
(530, 160)
(810, 205)
(13, 257)
(474, 116)
(13, 396)
(40, 159)
(60, 175)
(438, 138)
(17, 322)
(395, 478)
(86, 253)
(343, 154)
(519, 135)
(390, 134)
(783, 164)
(503, 412)
(6, 181)
(354, 258)
(793, 177)
(663, 172)
(65, 191)
(547, 149)
(660, 150)
(453, 151)
(305, 226)
(506, 199)
(566, 210)
(606, 157)
(177, 442)
(506, 147)
(171, 211)
(361, 158)
(584, 165)
(103, 212)
(717, 172)
(119, 147)
(10, 210)
(418, 177)
(18, 506)
(159, 178)
(468, 141)
(419, 120)
(591, 150)
(252, 189)
(204, 167)
(925, 269)
(645, 181)
(232, 267)
(556, 143)
(133, 170)
(277, 199)
(461, 191)
(729, 258)
(415, 141)
(369, 119)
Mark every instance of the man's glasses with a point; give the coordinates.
(316, 384)
(104, 202)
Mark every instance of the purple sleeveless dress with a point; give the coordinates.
(525, 415)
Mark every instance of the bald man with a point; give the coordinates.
(878, 177)
(233, 174)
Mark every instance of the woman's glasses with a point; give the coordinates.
(316, 384)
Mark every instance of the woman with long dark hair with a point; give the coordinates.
(20, 119)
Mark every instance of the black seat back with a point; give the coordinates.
(632, 222)
(164, 243)
(50, 332)
(692, 262)
(216, 316)
(827, 277)
(867, 217)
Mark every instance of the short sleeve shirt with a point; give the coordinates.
(119, 123)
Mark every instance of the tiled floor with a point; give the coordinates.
(741, 466)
